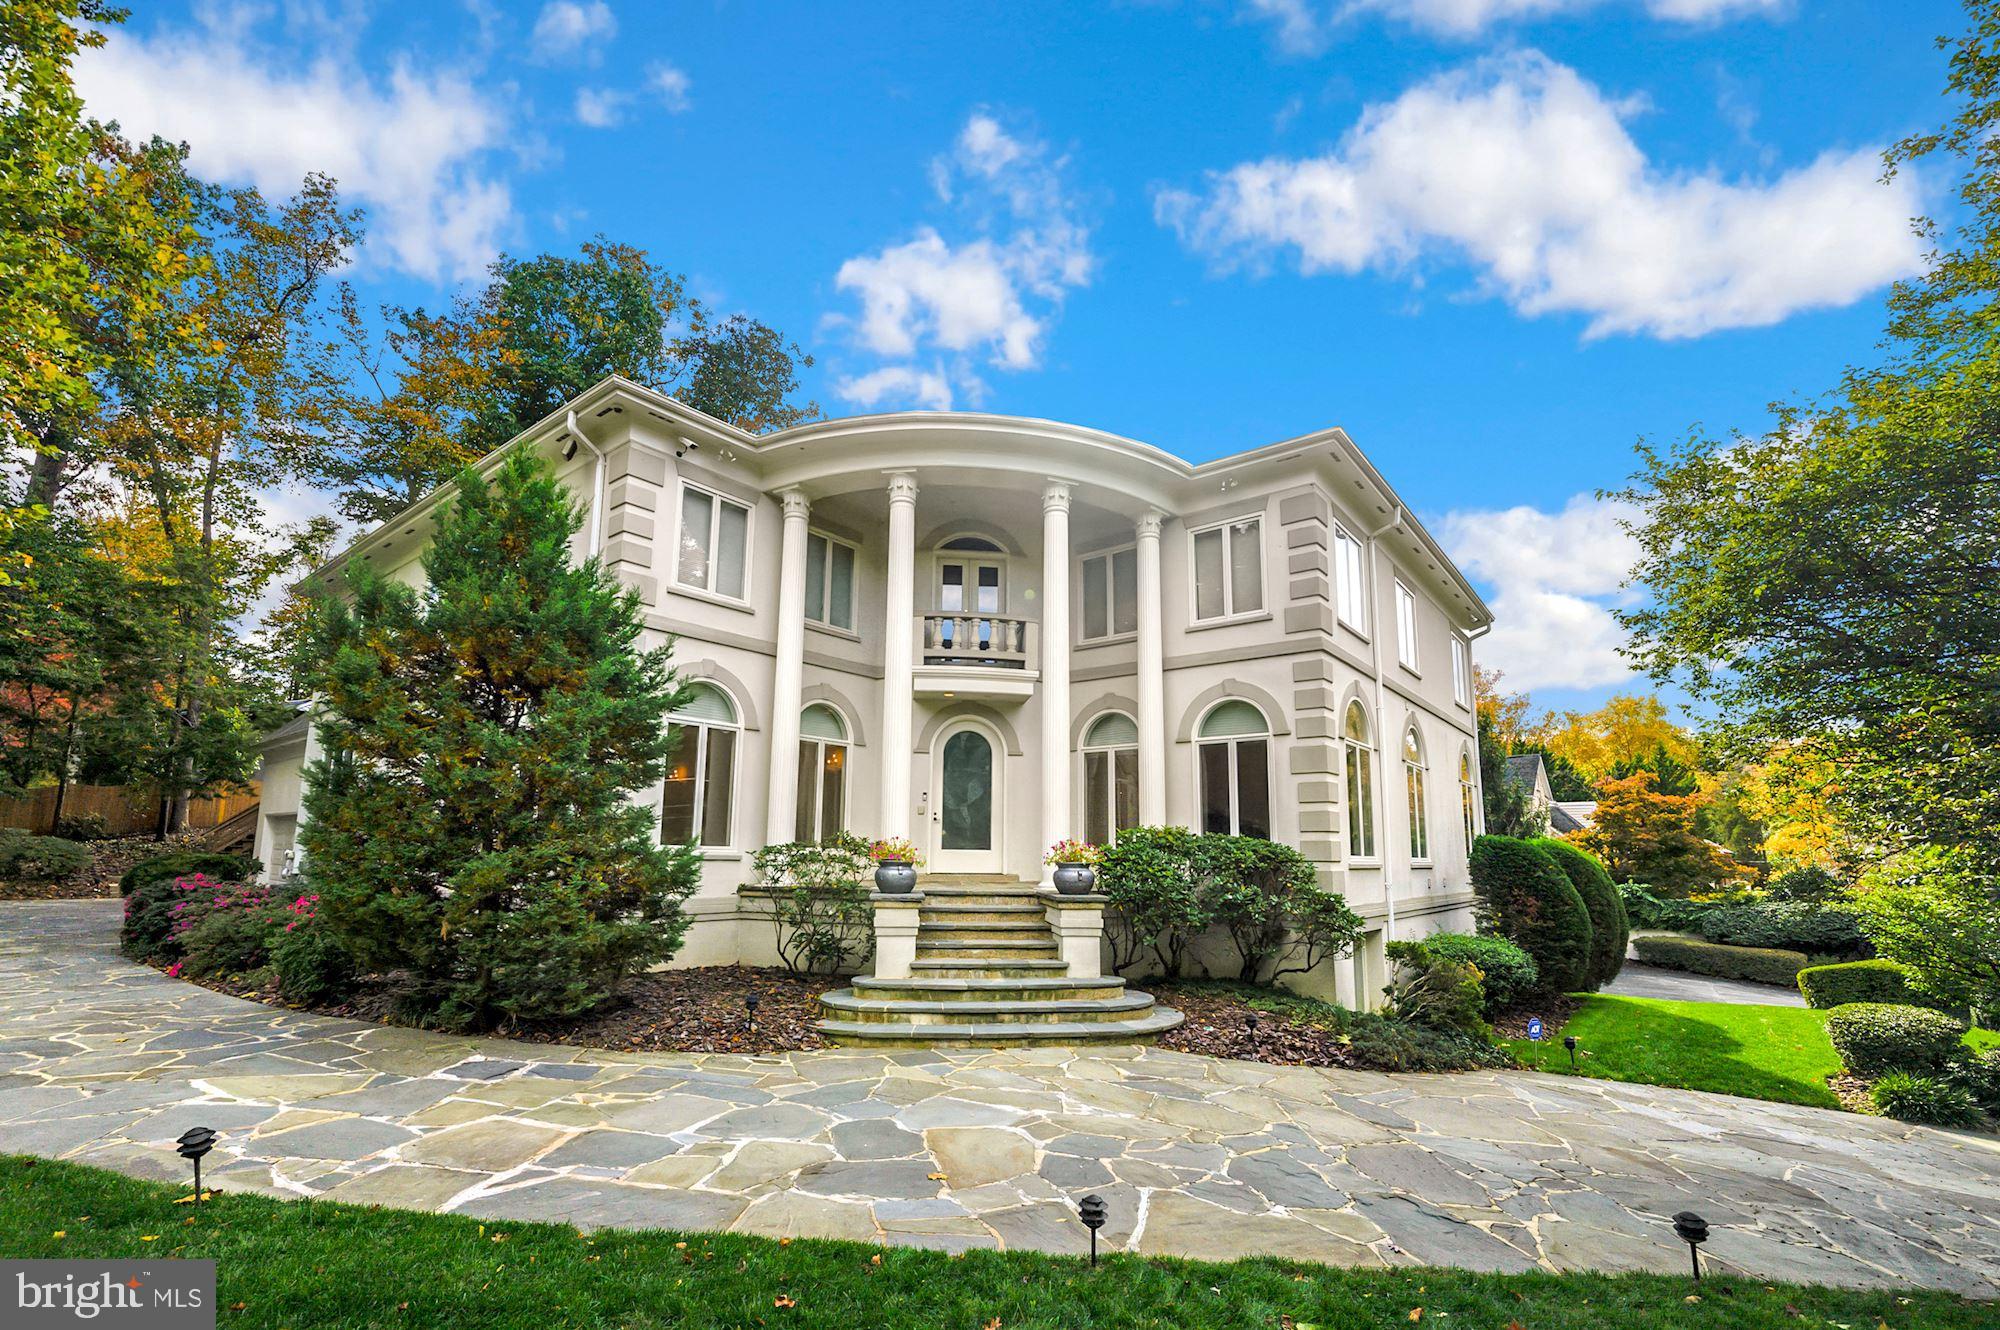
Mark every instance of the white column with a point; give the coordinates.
(898, 666)
(788, 674)
(1152, 681)
(1055, 668)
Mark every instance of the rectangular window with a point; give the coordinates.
(1420, 826)
(829, 582)
(714, 540)
(1349, 587)
(1406, 627)
(701, 776)
(1229, 569)
(1461, 676)
(1110, 594)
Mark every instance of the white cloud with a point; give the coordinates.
(412, 148)
(990, 296)
(1306, 27)
(1520, 168)
(670, 85)
(600, 108)
(1553, 579)
(565, 27)
(929, 389)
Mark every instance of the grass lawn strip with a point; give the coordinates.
(1760, 1052)
(313, 1264)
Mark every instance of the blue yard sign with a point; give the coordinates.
(1535, 1028)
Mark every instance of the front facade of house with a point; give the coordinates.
(988, 633)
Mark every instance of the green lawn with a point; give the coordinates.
(311, 1264)
(1777, 1053)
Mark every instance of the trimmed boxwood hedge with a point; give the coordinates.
(1758, 965)
(1817, 930)
(1524, 896)
(1610, 930)
(1862, 981)
(1508, 974)
(1874, 1038)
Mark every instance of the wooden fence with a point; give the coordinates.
(125, 812)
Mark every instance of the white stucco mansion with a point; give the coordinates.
(986, 633)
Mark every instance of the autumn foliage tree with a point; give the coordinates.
(1642, 835)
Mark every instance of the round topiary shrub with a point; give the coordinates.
(1874, 1038)
(1810, 883)
(1509, 973)
(1525, 897)
(1878, 980)
(1610, 930)
(1927, 1099)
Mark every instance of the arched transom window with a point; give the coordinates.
(822, 798)
(1360, 765)
(1110, 777)
(1413, 782)
(1233, 755)
(698, 800)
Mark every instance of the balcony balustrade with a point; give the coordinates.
(985, 641)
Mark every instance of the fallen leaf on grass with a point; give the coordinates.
(1416, 1313)
(783, 1303)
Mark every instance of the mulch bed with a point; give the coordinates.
(1555, 1013)
(1225, 1027)
(699, 1010)
(110, 859)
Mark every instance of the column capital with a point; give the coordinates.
(796, 503)
(1149, 524)
(902, 486)
(1055, 496)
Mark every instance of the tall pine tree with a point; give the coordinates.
(469, 828)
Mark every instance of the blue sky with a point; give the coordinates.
(1497, 240)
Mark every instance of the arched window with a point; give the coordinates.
(698, 800)
(971, 544)
(1233, 755)
(1413, 781)
(1360, 784)
(822, 806)
(1468, 799)
(1110, 777)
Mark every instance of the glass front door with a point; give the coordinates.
(965, 802)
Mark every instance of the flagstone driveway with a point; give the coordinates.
(105, 1062)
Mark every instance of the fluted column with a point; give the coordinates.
(1152, 682)
(1055, 667)
(788, 674)
(898, 666)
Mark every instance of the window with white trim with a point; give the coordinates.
(1461, 674)
(1233, 762)
(822, 793)
(698, 797)
(1229, 569)
(1413, 784)
(1111, 593)
(1350, 584)
(1360, 784)
(1406, 627)
(1110, 777)
(1468, 800)
(829, 581)
(714, 543)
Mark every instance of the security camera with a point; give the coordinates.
(687, 446)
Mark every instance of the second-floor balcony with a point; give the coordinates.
(993, 656)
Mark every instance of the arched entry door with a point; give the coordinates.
(965, 800)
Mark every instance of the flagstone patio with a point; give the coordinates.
(105, 1062)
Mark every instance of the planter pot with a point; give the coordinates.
(894, 877)
(1075, 879)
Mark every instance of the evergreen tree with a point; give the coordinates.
(469, 829)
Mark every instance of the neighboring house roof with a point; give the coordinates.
(295, 728)
(1526, 771)
(1572, 815)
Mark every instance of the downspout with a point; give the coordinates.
(596, 541)
(1382, 710)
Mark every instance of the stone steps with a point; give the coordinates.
(846, 1004)
(1037, 986)
(1141, 1029)
(969, 968)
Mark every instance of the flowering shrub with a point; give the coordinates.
(894, 849)
(227, 929)
(1075, 852)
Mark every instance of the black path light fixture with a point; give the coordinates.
(1250, 1023)
(1091, 1211)
(750, 1001)
(1569, 1047)
(1692, 1229)
(192, 1145)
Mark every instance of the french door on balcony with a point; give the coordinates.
(968, 589)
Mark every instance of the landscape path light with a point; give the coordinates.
(1692, 1229)
(1569, 1047)
(192, 1145)
(1091, 1211)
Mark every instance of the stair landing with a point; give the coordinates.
(988, 973)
